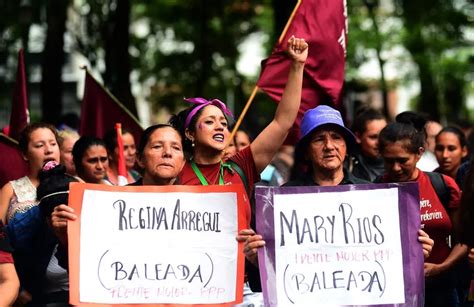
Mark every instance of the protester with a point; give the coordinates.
(322, 148)
(9, 283)
(450, 150)
(160, 154)
(401, 145)
(67, 139)
(129, 153)
(242, 139)
(38, 262)
(366, 162)
(432, 129)
(90, 159)
(39, 144)
(427, 162)
(205, 130)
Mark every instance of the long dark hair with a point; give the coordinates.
(409, 127)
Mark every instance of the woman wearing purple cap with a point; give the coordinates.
(205, 131)
(320, 152)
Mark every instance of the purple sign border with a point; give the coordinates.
(409, 213)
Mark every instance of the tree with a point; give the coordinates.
(434, 29)
(102, 32)
(53, 60)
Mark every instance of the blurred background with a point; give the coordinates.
(401, 55)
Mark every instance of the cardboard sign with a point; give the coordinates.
(156, 244)
(344, 245)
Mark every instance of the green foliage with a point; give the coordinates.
(191, 49)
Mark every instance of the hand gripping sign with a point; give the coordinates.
(156, 245)
(342, 245)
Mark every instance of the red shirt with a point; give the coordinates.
(434, 218)
(435, 221)
(5, 257)
(243, 159)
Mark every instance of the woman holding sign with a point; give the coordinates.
(160, 154)
(320, 154)
(401, 146)
(205, 130)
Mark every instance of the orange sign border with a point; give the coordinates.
(76, 193)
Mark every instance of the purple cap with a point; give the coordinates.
(324, 115)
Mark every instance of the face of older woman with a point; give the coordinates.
(42, 147)
(162, 157)
(326, 150)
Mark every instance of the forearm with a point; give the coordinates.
(289, 104)
(9, 284)
(458, 252)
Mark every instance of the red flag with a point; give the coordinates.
(323, 24)
(12, 164)
(19, 117)
(100, 111)
(122, 169)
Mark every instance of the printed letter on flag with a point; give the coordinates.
(323, 24)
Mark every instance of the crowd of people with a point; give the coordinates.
(192, 149)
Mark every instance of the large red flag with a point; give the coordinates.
(323, 23)
(12, 164)
(19, 117)
(100, 111)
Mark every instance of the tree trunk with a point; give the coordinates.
(378, 49)
(117, 58)
(428, 101)
(53, 59)
(281, 13)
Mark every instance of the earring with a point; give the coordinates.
(192, 143)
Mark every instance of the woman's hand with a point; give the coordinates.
(426, 242)
(252, 242)
(59, 218)
(298, 49)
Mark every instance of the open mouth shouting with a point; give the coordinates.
(218, 137)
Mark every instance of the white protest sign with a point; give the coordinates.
(149, 247)
(338, 248)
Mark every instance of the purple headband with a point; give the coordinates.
(201, 102)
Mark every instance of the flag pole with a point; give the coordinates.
(241, 116)
(255, 89)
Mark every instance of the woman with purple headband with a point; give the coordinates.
(205, 131)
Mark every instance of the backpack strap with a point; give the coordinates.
(241, 173)
(441, 188)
